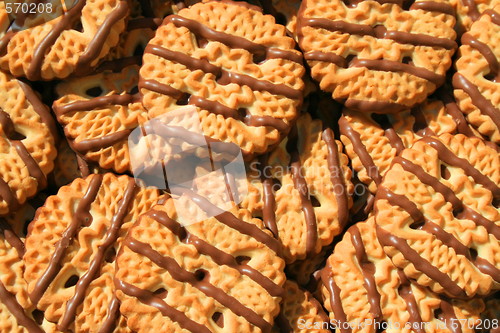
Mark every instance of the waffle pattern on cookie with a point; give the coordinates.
(363, 291)
(377, 57)
(57, 48)
(477, 81)
(234, 64)
(70, 250)
(438, 216)
(223, 274)
(27, 139)
(302, 189)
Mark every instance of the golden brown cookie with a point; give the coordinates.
(377, 57)
(469, 11)
(27, 143)
(234, 64)
(477, 81)
(302, 189)
(62, 40)
(71, 247)
(100, 110)
(365, 292)
(438, 216)
(300, 312)
(223, 274)
(372, 140)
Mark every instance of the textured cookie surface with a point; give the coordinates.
(438, 216)
(75, 40)
(223, 274)
(234, 64)
(477, 81)
(377, 57)
(302, 189)
(71, 247)
(372, 141)
(365, 292)
(469, 11)
(99, 111)
(27, 142)
(300, 311)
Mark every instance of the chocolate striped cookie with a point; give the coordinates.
(477, 81)
(71, 248)
(438, 216)
(234, 64)
(27, 143)
(365, 292)
(469, 11)
(62, 40)
(223, 274)
(377, 57)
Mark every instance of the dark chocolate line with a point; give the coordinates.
(148, 298)
(335, 299)
(449, 317)
(11, 237)
(112, 318)
(34, 169)
(487, 268)
(421, 264)
(95, 103)
(160, 88)
(389, 132)
(472, 10)
(495, 16)
(434, 6)
(81, 215)
(360, 149)
(484, 105)
(380, 32)
(111, 236)
(183, 276)
(326, 57)
(406, 293)
(486, 52)
(8, 195)
(454, 111)
(218, 256)
(269, 201)
(374, 106)
(10, 301)
(101, 142)
(420, 126)
(337, 177)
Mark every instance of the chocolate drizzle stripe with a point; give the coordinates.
(34, 169)
(95, 46)
(218, 256)
(160, 88)
(11, 237)
(449, 317)
(233, 222)
(420, 126)
(389, 132)
(406, 293)
(181, 275)
(335, 299)
(117, 65)
(374, 106)
(301, 186)
(8, 195)
(326, 57)
(495, 16)
(35, 68)
(453, 110)
(112, 318)
(380, 32)
(10, 301)
(337, 177)
(224, 77)
(101, 142)
(80, 216)
(450, 158)
(96, 103)
(150, 299)
(360, 149)
(487, 268)
(462, 211)
(95, 265)
(434, 6)
(269, 201)
(368, 271)
(472, 10)
(484, 105)
(421, 264)
(232, 41)
(486, 52)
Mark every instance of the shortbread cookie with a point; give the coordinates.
(300, 312)
(477, 81)
(234, 64)
(377, 57)
(372, 141)
(71, 247)
(27, 139)
(75, 40)
(469, 11)
(302, 189)
(365, 292)
(223, 274)
(438, 216)
(99, 111)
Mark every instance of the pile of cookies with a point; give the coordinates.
(370, 135)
